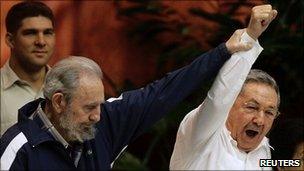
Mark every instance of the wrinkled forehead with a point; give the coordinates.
(90, 90)
(90, 83)
(259, 93)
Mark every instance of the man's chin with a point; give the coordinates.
(40, 60)
(88, 133)
(249, 144)
(247, 147)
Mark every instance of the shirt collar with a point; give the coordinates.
(9, 77)
(265, 143)
(47, 125)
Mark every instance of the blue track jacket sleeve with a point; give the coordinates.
(126, 117)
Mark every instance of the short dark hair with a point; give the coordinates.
(285, 137)
(23, 10)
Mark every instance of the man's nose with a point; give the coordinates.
(40, 40)
(259, 118)
(95, 116)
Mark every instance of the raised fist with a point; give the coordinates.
(261, 17)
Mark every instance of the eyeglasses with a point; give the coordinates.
(253, 108)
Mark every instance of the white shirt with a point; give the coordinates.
(203, 141)
(15, 93)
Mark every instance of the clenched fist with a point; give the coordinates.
(261, 17)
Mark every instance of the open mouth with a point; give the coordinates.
(251, 133)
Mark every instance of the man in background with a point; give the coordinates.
(31, 38)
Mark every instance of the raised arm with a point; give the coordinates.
(201, 123)
(212, 113)
(133, 112)
(229, 81)
(126, 117)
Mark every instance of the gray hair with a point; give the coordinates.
(64, 76)
(259, 76)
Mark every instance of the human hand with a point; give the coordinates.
(234, 43)
(261, 17)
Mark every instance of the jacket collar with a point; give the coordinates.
(35, 128)
(47, 125)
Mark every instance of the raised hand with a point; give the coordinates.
(234, 43)
(261, 17)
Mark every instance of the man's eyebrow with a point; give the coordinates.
(253, 101)
(272, 107)
(256, 102)
(37, 30)
(92, 104)
(29, 30)
(49, 29)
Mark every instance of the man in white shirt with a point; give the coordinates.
(31, 38)
(227, 131)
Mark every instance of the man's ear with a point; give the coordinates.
(58, 102)
(9, 40)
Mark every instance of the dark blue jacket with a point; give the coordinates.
(122, 121)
